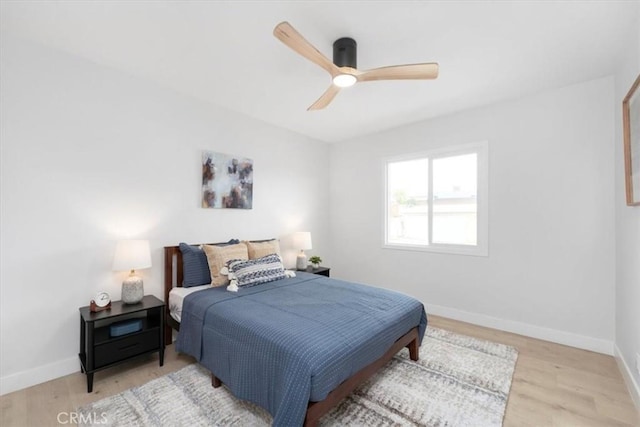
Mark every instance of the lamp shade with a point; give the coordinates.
(302, 240)
(132, 255)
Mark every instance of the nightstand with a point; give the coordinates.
(322, 271)
(98, 350)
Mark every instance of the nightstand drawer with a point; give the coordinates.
(123, 348)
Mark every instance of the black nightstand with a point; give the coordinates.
(322, 271)
(98, 350)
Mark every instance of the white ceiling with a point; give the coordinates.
(225, 53)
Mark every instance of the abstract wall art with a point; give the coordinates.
(227, 181)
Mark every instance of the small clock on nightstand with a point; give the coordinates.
(101, 302)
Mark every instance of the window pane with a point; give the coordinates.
(407, 202)
(455, 202)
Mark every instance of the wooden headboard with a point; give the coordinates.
(171, 254)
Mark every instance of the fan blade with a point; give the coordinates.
(289, 36)
(325, 99)
(424, 71)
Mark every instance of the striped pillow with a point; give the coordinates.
(257, 271)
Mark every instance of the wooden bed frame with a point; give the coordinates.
(315, 410)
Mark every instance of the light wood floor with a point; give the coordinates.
(553, 385)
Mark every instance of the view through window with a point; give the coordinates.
(434, 200)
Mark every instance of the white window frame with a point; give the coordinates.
(482, 247)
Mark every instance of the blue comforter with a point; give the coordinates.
(288, 342)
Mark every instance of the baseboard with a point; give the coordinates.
(547, 334)
(38, 375)
(626, 371)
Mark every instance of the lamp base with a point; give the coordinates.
(132, 290)
(301, 261)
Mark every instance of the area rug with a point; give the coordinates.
(458, 381)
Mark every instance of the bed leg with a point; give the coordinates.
(413, 349)
(215, 381)
(168, 335)
(310, 423)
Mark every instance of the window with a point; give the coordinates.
(437, 200)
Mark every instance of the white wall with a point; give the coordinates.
(91, 155)
(550, 269)
(627, 237)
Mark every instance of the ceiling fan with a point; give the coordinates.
(343, 69)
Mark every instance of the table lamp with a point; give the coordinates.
(132, 255)
(302, 241)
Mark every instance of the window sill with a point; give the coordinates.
(442, 249)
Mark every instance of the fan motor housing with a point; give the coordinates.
(345, 52)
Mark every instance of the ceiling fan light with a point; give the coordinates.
(344, 80)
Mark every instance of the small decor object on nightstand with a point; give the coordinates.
(302, 241)
(102, 302)
(315, 261)
(125, 327)
(132, 255)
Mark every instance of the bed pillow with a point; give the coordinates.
(195, 268)
(218, 256)
(257, 271)
(261, 248)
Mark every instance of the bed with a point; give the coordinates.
(294, 346)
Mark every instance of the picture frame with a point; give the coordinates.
(227, 181)
(631, 131)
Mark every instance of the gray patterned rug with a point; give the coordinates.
(458, 381)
